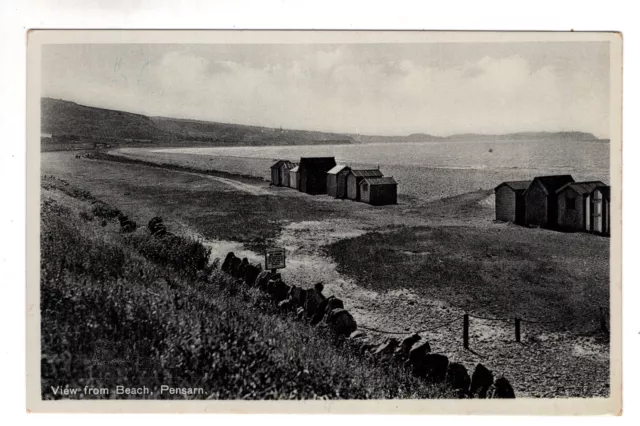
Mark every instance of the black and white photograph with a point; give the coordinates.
(348, 216)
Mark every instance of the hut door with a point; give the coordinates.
(597, 212)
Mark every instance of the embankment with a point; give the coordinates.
(122, 307)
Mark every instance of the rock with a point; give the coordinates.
(458, 379)
(418, 352)
(358, 334)
(277, 288)
(341, 322)
(216, 263)
(241, 268)
(325, 308)
(226, 265)
(407, 343)
(366, 346)
(285, 304)
(436, 367)
(481, 379)
(313, 299)
(235, 265)
(250, 274)
(297, 295)
(127, 225)
(502, 389)
(386, 349)
(262, 280)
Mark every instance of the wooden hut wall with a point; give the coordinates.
(505, 204)
(293, 179)
(332, 185)
(353, 187)
(571, 210)
(341, 183)
(600, 213)
(381, 195)
(284, 171)
(275, 176)
(537, 205)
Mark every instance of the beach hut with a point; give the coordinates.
(379, 191)
(293, 177)
(312, 173)
(510, 205)
(286, 173)
(575, 201)
(337, 181)
(598, 218)
(278, 172)
(354, 178)
(542, 202)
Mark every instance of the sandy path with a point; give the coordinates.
(240, 186)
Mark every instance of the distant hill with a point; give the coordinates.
(473, 137)
(70, 122)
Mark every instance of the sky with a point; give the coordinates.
(386, 89)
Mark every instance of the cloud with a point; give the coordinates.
(341, 89)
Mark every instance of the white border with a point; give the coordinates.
(16, 16)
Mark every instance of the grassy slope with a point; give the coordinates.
(114, 314)
(61, 117)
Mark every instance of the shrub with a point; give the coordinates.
(181, 253)
(105, 211)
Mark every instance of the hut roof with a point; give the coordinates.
(551, 184)
(318, 162)
(516, 185)
(369, 173)
(380, 181)
(582, 187)
(295, 169)
(337, 169)
(281, 163)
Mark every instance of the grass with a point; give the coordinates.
(123, 309)
(504, 271)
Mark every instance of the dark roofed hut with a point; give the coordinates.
(312, 174)
(354, 178)
(575, 206)
(337, 181)
(278, 177)
(510, 204)
(379, 191)
(542, 202)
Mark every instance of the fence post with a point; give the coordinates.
(518, 330)
(603, 320)
(465, 331)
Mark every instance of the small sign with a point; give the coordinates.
(274, 258)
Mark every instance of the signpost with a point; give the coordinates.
(274, 259)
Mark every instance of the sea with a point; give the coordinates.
(425, 170)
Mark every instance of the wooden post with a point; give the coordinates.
(603, 320)
(518, 330)
(465, 331)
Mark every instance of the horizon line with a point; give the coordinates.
(326, 131)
